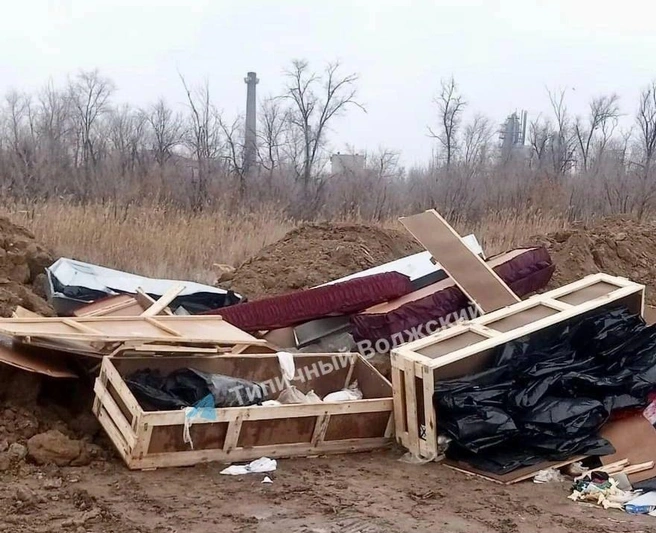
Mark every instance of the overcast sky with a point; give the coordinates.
(503, 53)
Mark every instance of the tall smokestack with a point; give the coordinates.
(250, 134)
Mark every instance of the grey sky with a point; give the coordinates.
(502, 53)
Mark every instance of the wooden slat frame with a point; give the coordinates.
(172, 328)
(412, 370)
(133, 441)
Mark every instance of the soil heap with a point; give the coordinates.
(22, 265)
(313, 254)
(619, 246)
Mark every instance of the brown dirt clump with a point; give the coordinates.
(22, 265)
(619, 246)
(313, 254)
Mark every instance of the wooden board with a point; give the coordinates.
(211, 329)
(40, 361)
(154, 439)
(469, 272)
(119, 305)
(467, 348)
(521, 474)
(163, 302)
(633, 438)
(387, 307)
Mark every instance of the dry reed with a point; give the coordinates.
(165, 241)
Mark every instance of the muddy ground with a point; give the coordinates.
(366, 493)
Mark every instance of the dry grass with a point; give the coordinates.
(168, 242)
(159, 242)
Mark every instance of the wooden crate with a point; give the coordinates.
(468, 347)
(155, 439)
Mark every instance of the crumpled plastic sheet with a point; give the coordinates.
(187, 387)
(546, 395)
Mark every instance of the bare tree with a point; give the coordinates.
(562, 142)
(646, 120)
(89, 95)
(203, 138)
(450, 104)
(316, 99)
(602, 120)
(233, 134)
(476, 138)
(539, 134)
(274, 119)
(166, 129)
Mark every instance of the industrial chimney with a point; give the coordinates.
(250, 132)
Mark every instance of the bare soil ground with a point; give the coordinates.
(366, 493)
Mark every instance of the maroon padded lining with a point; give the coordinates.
(524, 274)
(337, 299)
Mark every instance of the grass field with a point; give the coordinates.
(165, 241)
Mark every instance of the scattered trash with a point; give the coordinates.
(413, 459)
(264, 464)
(291, 395)
(345, 395)
(550, 475)
(643, 504)
(267, 479)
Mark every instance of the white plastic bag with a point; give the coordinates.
(345, 395)
(263, 464)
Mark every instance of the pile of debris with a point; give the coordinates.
(22, 271)
(313, 254)
(183, 373)
(619, 246)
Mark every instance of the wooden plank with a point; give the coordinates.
(320, 429)
(112, 409)
(164, 300)
(21, 312)
(145, 301)
(532, 327)
(163, 327)
(186, 458)
(112, 376)
(635, 469)
(185, 329)
(113, 433)
(633, 438)
(411, 409)
(521, 474)
(469, 272)
(40, 361)
(119, 305)
(232, 435)
(169, 418)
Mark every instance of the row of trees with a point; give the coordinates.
(75, 141)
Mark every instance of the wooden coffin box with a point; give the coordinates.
(467, 348)
(153, 439)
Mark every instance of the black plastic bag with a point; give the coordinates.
(549, 393)
(187, 387)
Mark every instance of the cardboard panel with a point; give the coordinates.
(451, 344)
(357, 426)
(633, 438)
(533, 314)
(475, 278)
(588, 293)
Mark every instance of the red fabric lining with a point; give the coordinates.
(297, 307)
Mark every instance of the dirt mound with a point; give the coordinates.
(22, 265)
(313, 254)
(618, 246)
